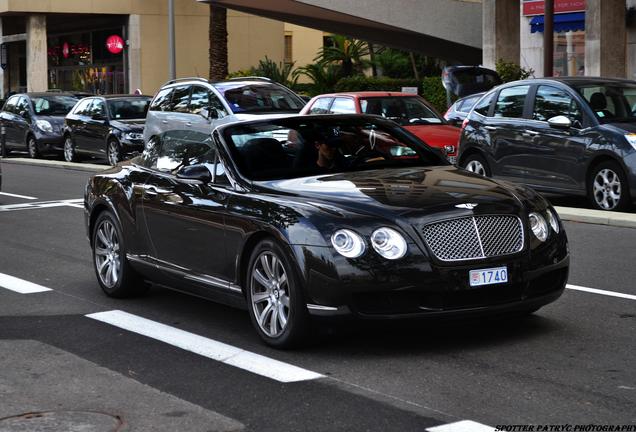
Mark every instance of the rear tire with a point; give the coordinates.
(607, 187)
(275, 296)
(114, 273)
(70, 155)
(476, 163)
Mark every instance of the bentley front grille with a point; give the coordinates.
(474, 237)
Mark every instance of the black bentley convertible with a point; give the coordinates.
(322, 215)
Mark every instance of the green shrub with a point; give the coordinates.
(511, 71)
(433, 91)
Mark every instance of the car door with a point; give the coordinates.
(185, 217)
(77, 123)
(158, 112)
(178, 116)
(21, 122)
(8, 117)
(96, 123)
(321, 106)
(202, 116)
(509, 146)
(556, 160)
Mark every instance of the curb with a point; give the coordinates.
(570, 214)
(56, 164)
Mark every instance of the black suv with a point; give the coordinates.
(571, 135)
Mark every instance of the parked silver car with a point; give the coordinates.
(200, 105)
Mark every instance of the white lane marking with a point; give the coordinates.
(18, 196)
(209, 348)
(602, 292)
(20, 286)
(462, 426)
(43, 204)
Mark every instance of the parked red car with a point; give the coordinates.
(410, 111)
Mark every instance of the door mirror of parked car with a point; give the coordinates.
(25, 114)
(99, 117)
(195, 172)
(560, 122)
(209, 114)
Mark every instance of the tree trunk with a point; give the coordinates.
(218, 43)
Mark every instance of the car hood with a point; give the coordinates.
(136, 125)
(411, 193)
(436, 135)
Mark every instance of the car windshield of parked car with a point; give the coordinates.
(53, 105)
(259, 98)
(128, 109)
(293, 148)
(403, 110)
(611, 102)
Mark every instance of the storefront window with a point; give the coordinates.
(81, 62)
(569, 53)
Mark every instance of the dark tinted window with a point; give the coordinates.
(551, 102)
(258, 97)
(23, 105)
(405, 110)
(161, 102)
(467, 104)
(179, 148)
(483, 106)
(343, 106)
(611, 102)
(511, 101)
(199, 99)
(98, 108)
(216, 105)
(53, 105)
(180, 99)
(128, 109)
(11, 104)
(321, 106)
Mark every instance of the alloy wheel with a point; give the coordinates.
(32, 147)
(476, 167)
(69, 151)
(607, 189)
(270, 294)
(113, 152)
(107, 257)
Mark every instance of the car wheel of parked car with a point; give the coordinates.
(69, 150)
(32, 147)
(113, 151)
(608, 188)
(477, 164)
(115, 275)
(274, 296)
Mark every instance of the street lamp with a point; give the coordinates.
(172, 68)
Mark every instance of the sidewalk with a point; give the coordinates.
(598, 217)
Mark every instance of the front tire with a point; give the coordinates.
(32, 147)
(477, 164)
(70, 155)
(275, 298)
(114, 273)
(113, 152)
(607, 187)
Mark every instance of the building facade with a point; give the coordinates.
(119, 46)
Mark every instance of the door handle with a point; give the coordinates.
(164, 121)
(150, 191)
(188, 124)
(530, 132)
(490, 128)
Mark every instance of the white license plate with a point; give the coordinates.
(489, 276)
(452, 159)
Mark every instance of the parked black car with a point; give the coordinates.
(321, 215)
(106, 126)
(572, 135)
(458, 111)
(33, 122)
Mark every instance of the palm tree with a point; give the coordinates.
(218, 43)
(323, 76)
(349, 53)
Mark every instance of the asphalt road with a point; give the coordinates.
(572, 362)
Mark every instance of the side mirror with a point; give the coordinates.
(25, 114)
(198, 173)
(209, 114)
(100, 117)
(560, 122)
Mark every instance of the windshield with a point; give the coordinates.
(611, 102)
(294, 147)
(255, 98)
(128, 109)
(53, 105)
(406, 111)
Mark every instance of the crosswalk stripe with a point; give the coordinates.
(20, 285)
(462, 426)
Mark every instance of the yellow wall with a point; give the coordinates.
(305, 45)
(251, 38)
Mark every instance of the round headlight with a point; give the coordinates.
(347, 243)
(538, 226)
(552, 220)
(388, 243)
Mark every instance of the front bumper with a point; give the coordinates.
(49, 143)
(417, 287)
(132, 147)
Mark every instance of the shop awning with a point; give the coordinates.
(562, 22)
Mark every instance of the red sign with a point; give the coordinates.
(66, 49)
(537, 7)
(115, 44)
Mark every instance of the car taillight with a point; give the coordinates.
(464, 123)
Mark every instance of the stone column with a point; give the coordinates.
(36, 62)
(605, 38)
(2, 84)
(500, 35)
(134, 53)
(531, 48)
(631, 45)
